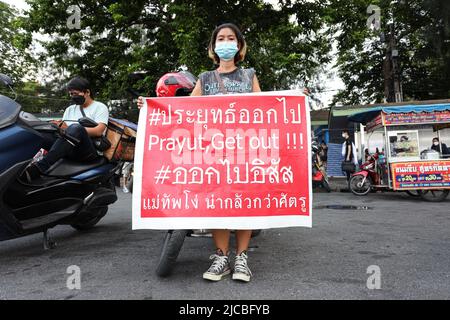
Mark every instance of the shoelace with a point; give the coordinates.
(241, 264)
(218, 264)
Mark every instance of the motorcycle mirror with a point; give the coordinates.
(87, 122)
(133, 92)
(6, 80)
(133, 79)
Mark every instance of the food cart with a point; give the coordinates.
(403, 136)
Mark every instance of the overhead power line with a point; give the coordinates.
(36, 97)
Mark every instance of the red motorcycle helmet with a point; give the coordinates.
(175, 84)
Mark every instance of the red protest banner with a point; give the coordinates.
(421, 175)
(229, 161)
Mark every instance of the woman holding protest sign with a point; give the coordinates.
(227, 47)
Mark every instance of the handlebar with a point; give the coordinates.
(87, 122)
(64, 134)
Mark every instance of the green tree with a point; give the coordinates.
(18, 62)
(286, 46)
(109, 46)
(150, 38)
(422, 32)
(15, 59)
(42, 98)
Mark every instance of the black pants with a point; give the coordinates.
(62, 148)
(349, 174)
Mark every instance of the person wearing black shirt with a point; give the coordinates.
(349, 153)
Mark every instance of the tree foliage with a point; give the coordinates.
(149, 38)
(422, 32)
(18, 62)
(124, 45)
(15, 59)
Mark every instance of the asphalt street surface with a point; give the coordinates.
(406, 238)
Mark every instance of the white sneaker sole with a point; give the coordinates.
(241, 277)
(215, 277)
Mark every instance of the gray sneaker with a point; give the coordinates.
(241, 270)
(219, 268)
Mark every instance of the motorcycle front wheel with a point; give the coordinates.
(173, 241)
(360, 185)
(84, 225)
(326, 186)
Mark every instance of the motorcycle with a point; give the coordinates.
(319, 176)
(70, 193)
(367, 179)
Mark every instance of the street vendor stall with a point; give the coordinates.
(407, 159)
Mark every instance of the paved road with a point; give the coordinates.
(409, 241)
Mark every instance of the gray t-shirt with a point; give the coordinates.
(96, 111)
(237, 81)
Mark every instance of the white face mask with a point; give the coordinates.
(226, 50)
(344, 136)
(436, 143)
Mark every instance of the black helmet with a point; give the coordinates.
(315, 146)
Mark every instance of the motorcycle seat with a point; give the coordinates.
(67, 168)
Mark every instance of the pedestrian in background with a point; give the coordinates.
(366, 154)
(323, 154)
(349, 153)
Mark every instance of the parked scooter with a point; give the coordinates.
(367, 179)
(319, 175)
(71, 193)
